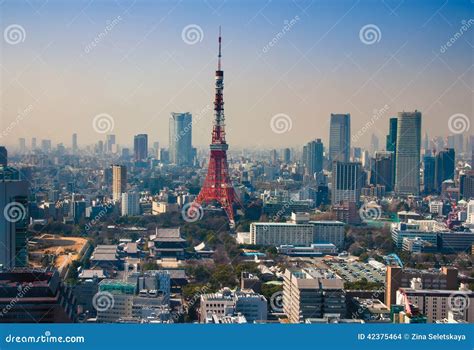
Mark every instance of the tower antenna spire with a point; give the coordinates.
(220, 53)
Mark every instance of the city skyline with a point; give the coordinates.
(140, 73)
(236, 202)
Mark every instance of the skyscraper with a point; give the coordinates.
(428, 174)
(347, 182)
(22, 144)
(407, 173)
(156, 149)
(426, 142)
(140, 147)
(274, 156)
(382, 170)
(456, 142)
(374, 144)
(119, 181)
(13, 221)
(109, 143)
(180, 138)
(74, 143)
(46, 146)
(391, 145)
(466, 185)
(313, 161)
(3, 156)
(444, 167)
(130, 204)
(340, 138)
(286, 155)
(33, 143)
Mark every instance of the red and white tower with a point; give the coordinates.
(217, 186)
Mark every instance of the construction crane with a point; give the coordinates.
(412, 311)
(391, 258)
(406, 302)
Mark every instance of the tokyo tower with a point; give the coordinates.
(217, 186)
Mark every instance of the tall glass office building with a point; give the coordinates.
(340, 138)
(407, 172)
(180, 138)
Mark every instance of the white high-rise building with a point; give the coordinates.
(180, 138)
(470, 212)
(130, 204)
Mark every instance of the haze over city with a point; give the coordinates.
(303, 59)
(237, 163)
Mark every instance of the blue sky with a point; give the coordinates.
(142, 70)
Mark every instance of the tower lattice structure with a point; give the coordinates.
(217, 185)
